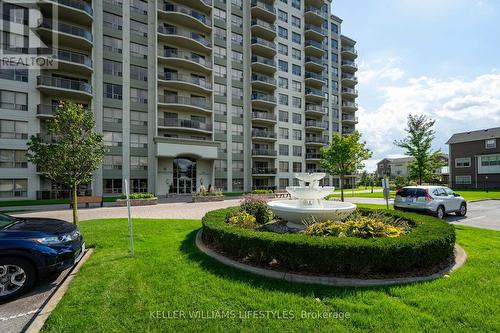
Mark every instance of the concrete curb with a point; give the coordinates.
(479, 200)
(38, 322)
(460, 258)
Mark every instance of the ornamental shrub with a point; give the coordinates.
(257, 207)
(262, 192)
(363, 227)
(242, 219)
(139, 196)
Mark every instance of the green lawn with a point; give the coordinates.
(467, 194)
(116, 293)
(18, 203)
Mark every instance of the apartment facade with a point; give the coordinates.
(475, 159)
(234, 94)
(400, 167)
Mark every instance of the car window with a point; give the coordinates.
(6, 220)
(448, 191)
(420, 192)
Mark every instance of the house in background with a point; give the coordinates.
(475, 159)
(394, 167)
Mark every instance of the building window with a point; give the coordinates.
(112, 162)
(297, 151)
(13, 72)
(463, 180)
(138, 73)
(284, 166)
(220, 108)
(297, 118)
(282, 32)
(296, 37)
(493, 160)
(296, 21)
(462, 162)
(221, 184)
(220, 127)
(283, 66)
(220, 52)
(138, 50)
(113, 68)
(112, 186)
(297, 86)
(284, 182)
(236, 20)
(283, 133)
(111, 44)
(138, 118)
(296, 54)
(11, 188)
(490, 143)
(12, 129)
(284, 150)
(13, 158)
(139, 185)
(283, 99)
(283, 82)
(296, 4)
(138, 140)
(237, 56)
(220, 89)
(219, 14)
(297, 134)
(237, 75)
(138, 96)
(237, 130)
(296, 70)
(138, 163)
(283, 116)
(112, 115)
(297, 102)
(297, 167)
(13, 100)
(282, 49)
(138, 28)
(237, 184)
(237, 147)
(282, 15)
(237, 111)
(113, 139)
(113, 91)
(112, 21)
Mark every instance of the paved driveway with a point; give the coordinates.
(481, 214)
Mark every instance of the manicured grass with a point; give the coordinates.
(116, 293)
(467, 194)
(16, 203)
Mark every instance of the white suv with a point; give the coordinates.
(437, 200)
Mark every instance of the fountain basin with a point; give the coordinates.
(295, 213)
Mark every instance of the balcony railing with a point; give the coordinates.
(263, 115)
(316, 60)
(350, 91)
(184, 123)
(263, 5)
(316, 139)
(185, 55)
(264, 60)
(185, 78)
(350, 50)
(315, 92)
(316, 44)
(64, 83)
(264, 171)
(349, 63)
(313, 156)
(349, 77)
(264, 78)
(316, 108)
(314, 123)
(349, 104)
(263, 97)
(266, 43)
(193, 101)
(185, 33)
(67, 28)
(315, 28)
(316, 76)
(263, 24)
(78, 4)
(186, 10)
(263, 134)
(264, 152)
(349, 118)
(316, 11)
(70, 56)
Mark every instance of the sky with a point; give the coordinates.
(440, 58)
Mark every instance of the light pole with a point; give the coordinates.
(486, 183)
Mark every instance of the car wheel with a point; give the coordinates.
(440, 212)
(463, 210)
(17, 276)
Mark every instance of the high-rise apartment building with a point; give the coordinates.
(230, 93)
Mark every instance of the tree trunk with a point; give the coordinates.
(74, 199)
(341, 189)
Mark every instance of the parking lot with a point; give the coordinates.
(481, 214)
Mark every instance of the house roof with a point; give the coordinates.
(484, 134)
(397, 160)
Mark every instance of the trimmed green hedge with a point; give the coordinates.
(430, 242)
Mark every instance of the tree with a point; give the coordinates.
(73, 152)
(418, 144)
(365, 179)
(344, 156)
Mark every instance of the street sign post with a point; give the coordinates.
(129, 219)
(387, 191)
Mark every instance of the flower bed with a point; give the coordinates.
(429, 243)
(138, 199)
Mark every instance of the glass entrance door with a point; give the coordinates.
(184, 175)
(184, 185)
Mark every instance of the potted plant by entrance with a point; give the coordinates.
(138, 199)
(204, 195)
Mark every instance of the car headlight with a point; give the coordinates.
(54, 240)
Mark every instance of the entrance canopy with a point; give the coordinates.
(166, 147)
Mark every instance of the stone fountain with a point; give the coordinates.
(308, 203)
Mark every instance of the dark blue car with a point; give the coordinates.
(32, 248)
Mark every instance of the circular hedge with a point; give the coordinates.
(430, 242)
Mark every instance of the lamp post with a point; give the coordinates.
(486, 183)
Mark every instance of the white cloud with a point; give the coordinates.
(456, 104)
(381, 69)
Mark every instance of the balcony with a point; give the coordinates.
(347, 130)
(313, 156)
(68, 35)
(263, 29)
(187, 39)
(80, 11)
(263, 135)
(315, 79)
(264, 153)
(187, 60)
(349, 53)
(315, 110)
(262, 10)
(263, 65)
(349, 106)
(315, 95)
(349, 79)
(263, 47)
(71, 62)
(314, 16)
(315, 125)
(262, 100)
(45, 110)
(64, 88)
(263, 117)
(201, 5)
(185, 82)
(349, 119)
(185, 16)
(349, 92)
(316, 141)
(314, 64)
(315, 32)
(182, 103)
(184, 125)
(314, 48)
(263, 82)
(264, 171)
(349, 66)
